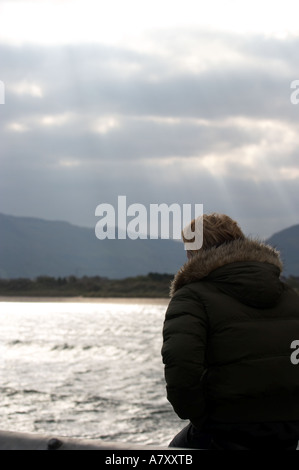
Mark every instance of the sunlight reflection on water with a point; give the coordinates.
(85, 370)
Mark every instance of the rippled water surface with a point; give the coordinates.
(89, 370)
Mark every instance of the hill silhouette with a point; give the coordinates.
(32, 247)
(287, 242)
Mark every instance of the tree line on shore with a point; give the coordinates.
(152, 285)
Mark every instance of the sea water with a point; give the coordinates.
(86, 370)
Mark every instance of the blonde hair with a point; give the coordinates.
(217, 229)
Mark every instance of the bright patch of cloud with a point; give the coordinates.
(56, 120)
(69, 163)
(118, 22)
(16, 127)
(26, 88)
(289, 173)
(104, 125)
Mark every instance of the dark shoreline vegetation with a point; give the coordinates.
(153, 285)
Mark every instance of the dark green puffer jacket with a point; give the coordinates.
(227, 336)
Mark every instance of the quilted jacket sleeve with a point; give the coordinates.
(183, 353)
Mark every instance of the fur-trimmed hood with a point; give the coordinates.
(207, 261)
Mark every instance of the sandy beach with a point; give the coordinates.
(121, 300)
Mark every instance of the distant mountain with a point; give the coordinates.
(287, 242)
(31, 247)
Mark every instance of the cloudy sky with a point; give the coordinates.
(162, 101)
